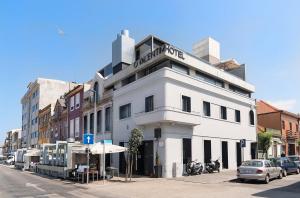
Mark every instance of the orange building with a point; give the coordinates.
(44, 125)
(269, 116)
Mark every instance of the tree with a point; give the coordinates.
(264, 141)
(135, 140)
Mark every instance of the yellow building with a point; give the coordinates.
(44, 125)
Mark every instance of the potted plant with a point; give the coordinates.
(157, 167)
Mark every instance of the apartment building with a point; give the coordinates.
(59, 120)
(74, 100)
(39, 94)
(16, 139)
(45, 130)
(288, 123)
(189, 106)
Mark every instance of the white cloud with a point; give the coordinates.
(288, 105)
(60, 31)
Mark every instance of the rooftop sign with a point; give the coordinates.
(164, 48)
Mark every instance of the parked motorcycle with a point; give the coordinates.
(213, 166)
(194, 168)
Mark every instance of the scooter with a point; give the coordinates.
(194, 168)
(213, 166)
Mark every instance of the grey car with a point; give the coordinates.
(295, 158)
(262, 170)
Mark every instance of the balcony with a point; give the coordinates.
(274, 132)
(292, 134)
(168, 115)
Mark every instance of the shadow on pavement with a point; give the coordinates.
(292, 190)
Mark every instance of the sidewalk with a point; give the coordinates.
(209, 178)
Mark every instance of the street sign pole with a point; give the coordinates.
(88, 164)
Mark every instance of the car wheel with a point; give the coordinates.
(280, 175)
(284, 173)
(267, 179)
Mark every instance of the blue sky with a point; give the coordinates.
(262, 34)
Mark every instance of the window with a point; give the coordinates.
(180, 68)
(125, 111)
(283, 125)
(96, 89)
(71, 133)
(72, 103)
(77, 126)
(108, 119)
(237, 116)
(99, 121)
(291, 127)
(85, 124)
(206, 108)
(297, 127)
(239, 90)
(186, 104)
(223, 113)
(209, 79)
(77, 100)
(251, 117)
(92, 123)
(149, 104)
(128, 80)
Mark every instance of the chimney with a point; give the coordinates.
(208, 49)
(123, 49)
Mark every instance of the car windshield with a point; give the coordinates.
(294, 158)
(253, 163)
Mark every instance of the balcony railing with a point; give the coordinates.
(292, 134)
(168, 114)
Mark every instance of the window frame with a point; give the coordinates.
(237, 112)
(223, 112)
(186, 106)
(123, 108)
(206, 112)
(149, 103)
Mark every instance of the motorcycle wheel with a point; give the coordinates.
(189, 171)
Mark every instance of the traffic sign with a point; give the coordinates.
(88, 139)
(243, 143)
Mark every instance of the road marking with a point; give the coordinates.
(51, 196)
(81, 194)
(35, 186)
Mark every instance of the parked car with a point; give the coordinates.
(262, 170)
(295, 158)
(10, 160)
(287, 165)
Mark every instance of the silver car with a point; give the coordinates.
(262, 170)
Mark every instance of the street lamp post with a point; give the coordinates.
(95, 129)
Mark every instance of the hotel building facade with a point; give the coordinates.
(198, 106)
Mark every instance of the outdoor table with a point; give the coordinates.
(85, 173)
(113, 170)
(93, 172)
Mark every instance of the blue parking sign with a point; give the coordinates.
(243, 143)
(88, 139)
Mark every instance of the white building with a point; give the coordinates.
(40, 93)
(198, 110)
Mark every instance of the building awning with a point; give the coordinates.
(33, 152)
(97, 148)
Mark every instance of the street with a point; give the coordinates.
(14, 183)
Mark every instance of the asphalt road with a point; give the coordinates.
(14, 183)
